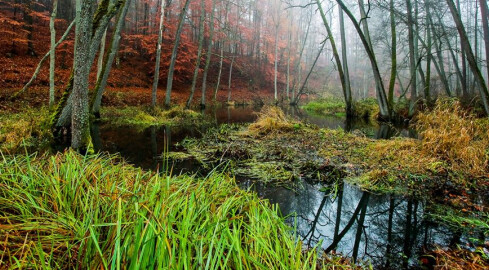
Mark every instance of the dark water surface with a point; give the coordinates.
(389, 231)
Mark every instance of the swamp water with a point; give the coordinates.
(389, 231)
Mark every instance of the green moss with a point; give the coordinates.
(27, 129)
(329, 106)
(144, 117)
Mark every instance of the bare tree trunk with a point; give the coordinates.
(485, 27)
(158, 55)
(301, 90)
(174, 53)
(392, 81)
(464, 65)
(80, 126)
(346, 72)
(199, 53)
(109, 60)
(52, 59)
(385, 109)
(275, 77)
(428, 57)
(470, 55)
(221, 59)
(100, 62)
(38, 68)
(61, 118)
(289, 44)
(208, 55)
(412, 59)
(349, 108)
(230, 79)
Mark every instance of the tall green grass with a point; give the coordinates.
(70, 211)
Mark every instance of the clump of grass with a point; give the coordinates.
(453, 135)
(326, 106)
(25, 129)
(70, 211)
(366, 109)
(272, 119)
(145, 116)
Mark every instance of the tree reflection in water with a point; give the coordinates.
(387, 230)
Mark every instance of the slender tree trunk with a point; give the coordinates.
(80, 126)
(109, 59)
(346, 72)
(174, 53)
(485, 27)
(199, 53)
(38, 68)
(470, 55)
(275, 77)
(346, 94)
(392, 81)
(385, 109)
(428, 57)
(230, 79)
(52, 59)
(208, 55)
(100, 61)
(412, 59)
(221, 59)
(464, 64)
(158, 55)
(301, 91)
(289, 44)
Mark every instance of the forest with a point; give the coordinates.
(244, 134)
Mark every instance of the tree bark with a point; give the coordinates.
(485, 27)
(346, 72)
(412, 59)
(470, 55)
(80, 127)
(61, 118)
(392, 81)
(174, 54)
(385, 109)
(38, 68)
(199, 53)
(52, 53)
(337, 58)
(109, 59)
(158, 55)
(208, 55)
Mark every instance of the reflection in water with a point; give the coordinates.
(387, 230)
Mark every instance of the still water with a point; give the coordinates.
(389, 231)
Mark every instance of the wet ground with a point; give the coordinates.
(389, 231)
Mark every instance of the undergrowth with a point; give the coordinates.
(24, 129)
(94, 212)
